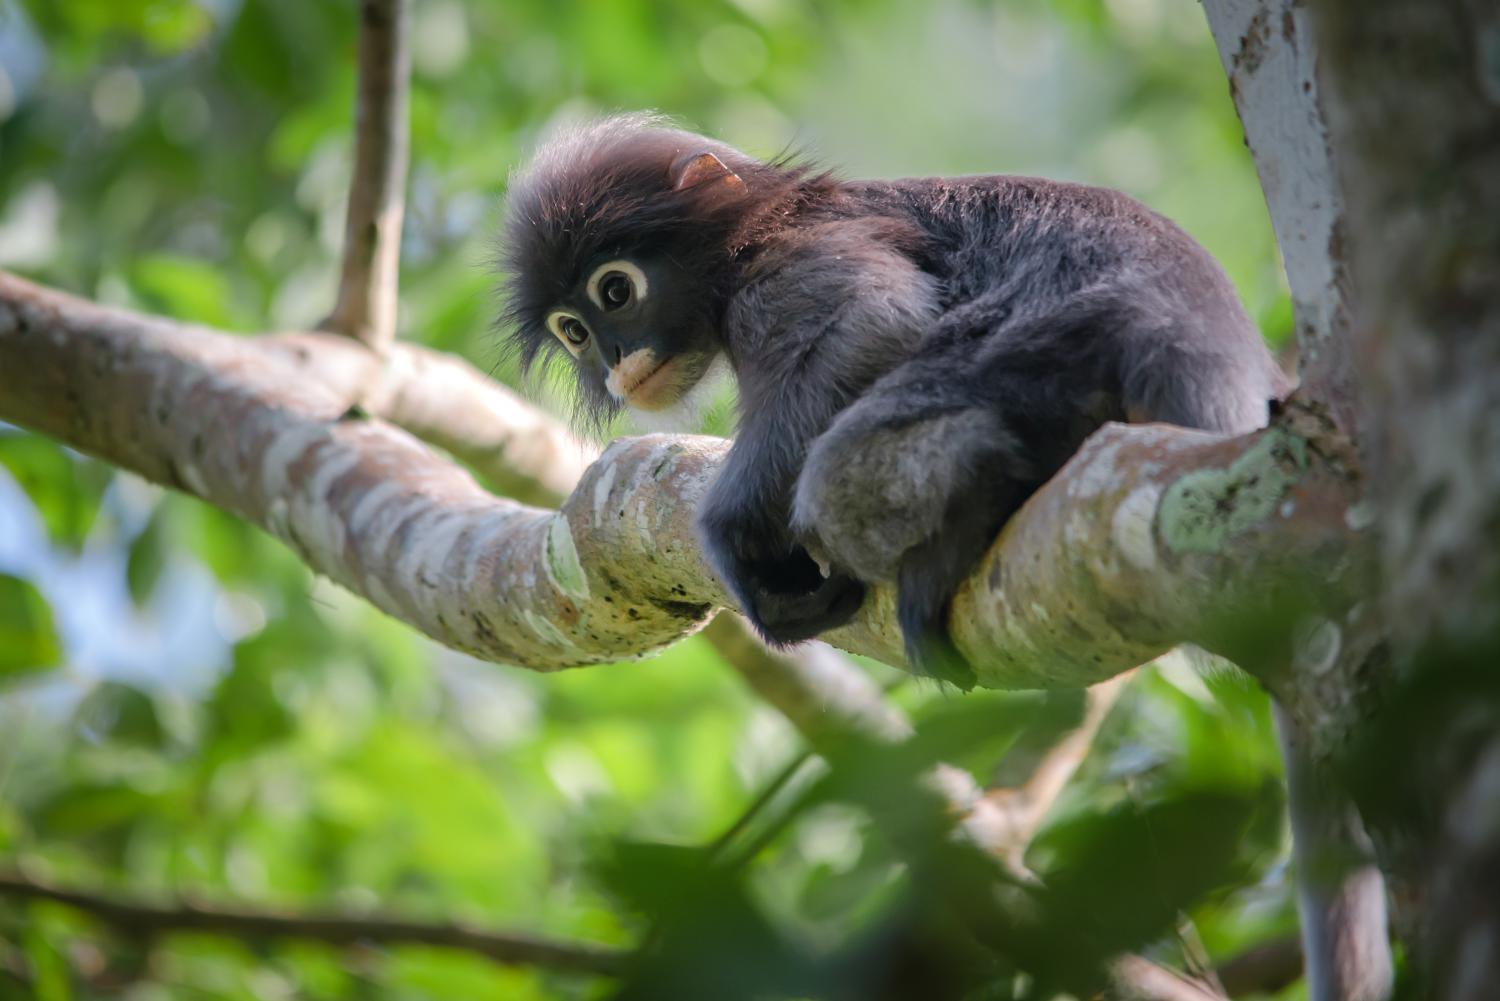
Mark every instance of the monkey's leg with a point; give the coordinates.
(928, 575)
(908, 489)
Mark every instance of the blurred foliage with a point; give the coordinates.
(183, 709)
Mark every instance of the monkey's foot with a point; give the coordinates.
(785, 617)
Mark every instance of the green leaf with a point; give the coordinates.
(122, 714)
(184, 288)
(147, 558)
(244, 712)
(49, 968)
(28, 639)
(91, 809)
(1118, 879)
(64, 488)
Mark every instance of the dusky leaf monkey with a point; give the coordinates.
(914, 357)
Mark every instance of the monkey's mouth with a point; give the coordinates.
(642, 382)
(657, 389)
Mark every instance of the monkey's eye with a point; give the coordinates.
(568, 328)
(615, 290)
(615, 284)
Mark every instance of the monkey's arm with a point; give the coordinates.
(821, 316)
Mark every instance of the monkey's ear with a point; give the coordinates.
(692, 170)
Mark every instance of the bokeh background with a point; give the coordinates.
(185, 709)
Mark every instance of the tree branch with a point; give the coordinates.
(442, 399)
(1006, 820)
(1340, 890)
(1138, 979)
(1150, 536)
(140, 919)
(1269, 55)
(287, 454)
(366, 305)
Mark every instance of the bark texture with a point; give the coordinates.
(1270, 57)
(1150, 537)
(1414, 102)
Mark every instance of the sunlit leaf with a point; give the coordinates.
(185, 288)
(28, 639)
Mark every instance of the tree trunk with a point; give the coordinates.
(1270, 53)
(1413, 98)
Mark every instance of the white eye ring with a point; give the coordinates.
(555, 324)
(636, 275)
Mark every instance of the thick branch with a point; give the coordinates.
(1151, 536)
(445, 401)
(366, 306)
(141, 919)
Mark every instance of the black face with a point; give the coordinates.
(640, 329)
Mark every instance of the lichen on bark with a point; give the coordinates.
(1205, 509)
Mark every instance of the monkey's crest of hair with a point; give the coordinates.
(605, 188)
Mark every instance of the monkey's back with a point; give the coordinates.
(1046, 239)
(1011, 251)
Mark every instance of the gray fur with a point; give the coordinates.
(869, 493)
(914, 357)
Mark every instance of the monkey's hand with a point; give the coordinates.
(777, 584)
(793, 616)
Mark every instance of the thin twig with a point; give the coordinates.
(720, 846)
(1006, 819)
(142, 919)
(366, 307)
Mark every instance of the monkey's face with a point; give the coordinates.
(639, 328)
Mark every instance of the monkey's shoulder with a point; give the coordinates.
(834, 250)
(851, 276)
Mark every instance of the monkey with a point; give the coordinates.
(914, 358)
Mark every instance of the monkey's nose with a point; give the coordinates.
(619, 354)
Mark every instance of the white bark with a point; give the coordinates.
(1270, 56)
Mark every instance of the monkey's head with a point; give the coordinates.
(618, 248)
